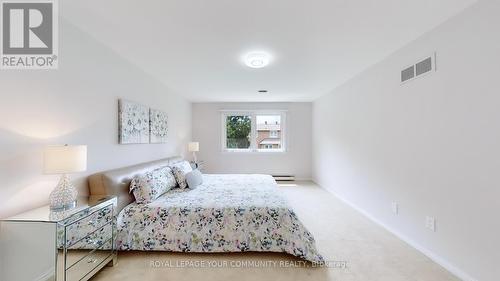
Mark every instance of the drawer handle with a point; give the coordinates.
(92, 241)
(91, 260)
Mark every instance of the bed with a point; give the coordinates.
(227, 213)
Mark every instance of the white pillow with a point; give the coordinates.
(194, 178)
(180, 169)
(151, 185)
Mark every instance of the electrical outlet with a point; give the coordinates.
(395, 208)
(430, 223)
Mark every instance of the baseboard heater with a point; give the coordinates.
(283, 178)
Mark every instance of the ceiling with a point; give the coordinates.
(195, 47)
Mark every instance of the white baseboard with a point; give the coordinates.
(459, 273)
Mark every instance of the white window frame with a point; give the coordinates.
(253, 131)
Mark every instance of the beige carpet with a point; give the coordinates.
(342, 234)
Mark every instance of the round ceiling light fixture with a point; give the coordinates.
(257, 60)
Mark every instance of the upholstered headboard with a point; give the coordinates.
(117, 182)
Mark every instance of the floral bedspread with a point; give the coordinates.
(227, 213)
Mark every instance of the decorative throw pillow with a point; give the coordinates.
(151, 185)
(180, 170)
(194, 178)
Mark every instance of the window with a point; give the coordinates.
(253, 131)
(238, 131)
(268, 126)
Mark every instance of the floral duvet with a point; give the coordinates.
(227, 213)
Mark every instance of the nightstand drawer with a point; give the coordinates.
(100, 239)
(83, 227)
(88, 262)
(94, 239)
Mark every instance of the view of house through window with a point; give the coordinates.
(268, 131)
(253, 132)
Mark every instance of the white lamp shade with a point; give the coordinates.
(62, 159)
(194, 146)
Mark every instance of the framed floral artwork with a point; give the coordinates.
(158, 126)
(133, 122)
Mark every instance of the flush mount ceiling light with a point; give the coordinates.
(257, 60)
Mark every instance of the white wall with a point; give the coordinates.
(296, 161)
(432, 145)
(76, 104)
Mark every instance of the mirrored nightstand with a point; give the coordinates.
(59, 246)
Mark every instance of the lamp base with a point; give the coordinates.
(63, 197)
(195, 160)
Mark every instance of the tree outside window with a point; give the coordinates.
(238, 131)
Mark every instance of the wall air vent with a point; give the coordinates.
(408, 73)
(424, 66)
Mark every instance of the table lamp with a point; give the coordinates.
(64, 159)
(194, 147)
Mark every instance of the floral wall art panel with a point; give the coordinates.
(133, 122)
(158, 126)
